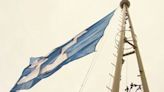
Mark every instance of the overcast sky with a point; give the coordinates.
(31, 28)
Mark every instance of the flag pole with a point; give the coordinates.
(117, 76)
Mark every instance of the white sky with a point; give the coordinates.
(35, 27)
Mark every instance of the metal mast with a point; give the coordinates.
(120, 53)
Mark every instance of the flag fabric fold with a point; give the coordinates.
(81, 45)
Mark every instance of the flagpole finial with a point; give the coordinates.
(126, 2)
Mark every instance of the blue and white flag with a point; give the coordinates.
(81, 45)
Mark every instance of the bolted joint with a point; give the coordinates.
(126, 2)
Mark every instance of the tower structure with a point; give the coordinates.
(125, 4)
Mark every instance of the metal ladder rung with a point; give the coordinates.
(109, 88)
(111, 75)
(113, 64)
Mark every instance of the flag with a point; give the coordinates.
(81, 45)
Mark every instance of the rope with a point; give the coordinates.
(91, 67)
(87, 74)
